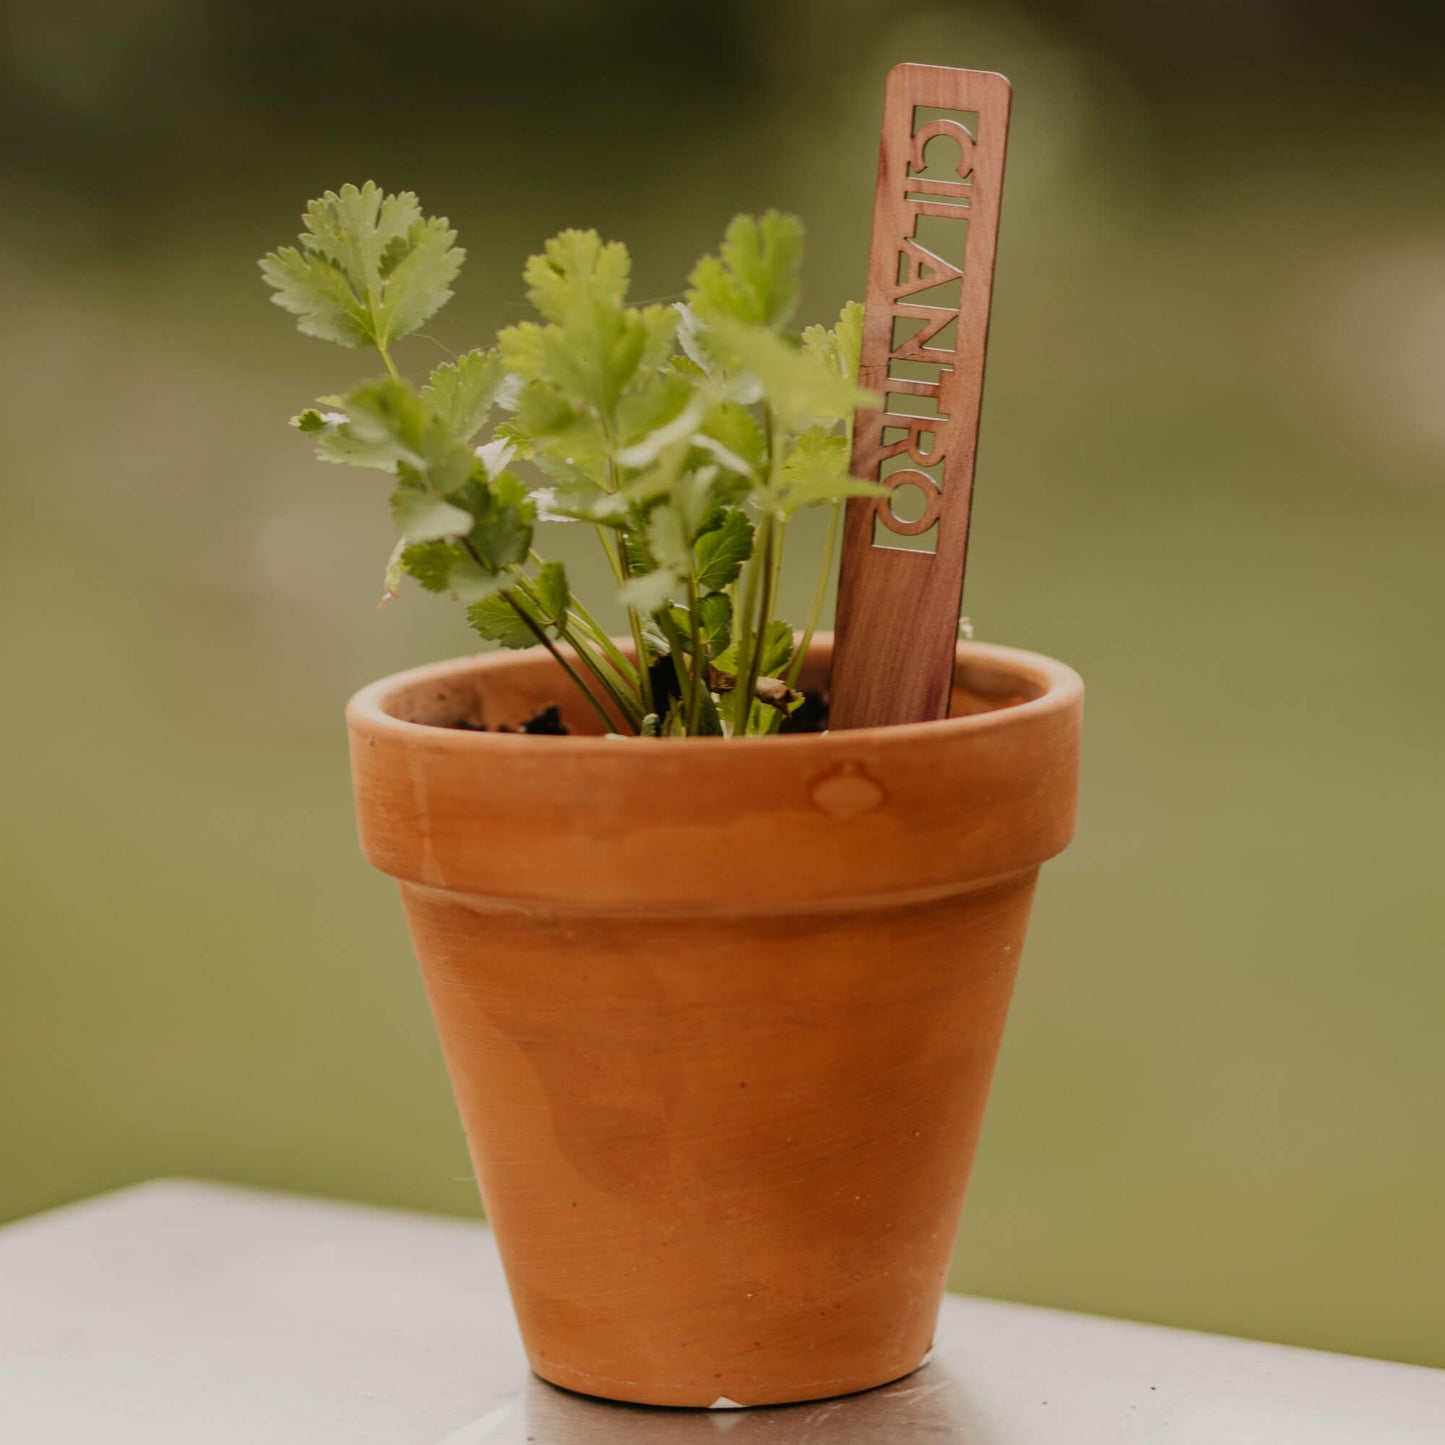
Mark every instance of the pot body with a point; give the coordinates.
(720, 1016)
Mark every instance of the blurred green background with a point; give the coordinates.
(1211, 478)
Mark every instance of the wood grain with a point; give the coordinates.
(898, 606)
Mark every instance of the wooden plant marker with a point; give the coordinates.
(925, 328)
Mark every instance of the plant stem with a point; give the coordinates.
(772, 553)
(775, 574)
(669, 630)
(620, 665)
(755, 611)
(618, 659)
(540, 634)
(747, 644)
(699, 660)
(385, 355)
(820, 591)
(634, 623)
(766, 559)
(624, 571)
(612, 561)
(626, 705)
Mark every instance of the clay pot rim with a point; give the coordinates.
(1061, 690)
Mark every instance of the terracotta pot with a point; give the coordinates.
(720, 1016)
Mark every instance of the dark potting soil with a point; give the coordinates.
(810, 717)
(547, 721)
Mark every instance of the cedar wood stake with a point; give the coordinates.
(924, 333)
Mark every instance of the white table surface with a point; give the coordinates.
(180, 1313)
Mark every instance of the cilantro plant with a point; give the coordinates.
(688, 436)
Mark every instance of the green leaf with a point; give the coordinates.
(318, 292)
(337, 441)
(594, 347)
(657, 326)
(740, 470)
(463, 392)
(391, 579)
(834, 492)
(668, 539)
(695, 357)
(652, 408)
(800, 387)
(542, 411)
(495, 618)
(582, 504)
(357, 228)
(503, 513)
(369, 269)
(707, 723)
(511, 491)
(736, 429)
(690, 509)
(577, 270)
(497, 455)
(649, 591)
(678, 620)
(848, 334)
(594, 358)
(671, 439)
(419, 284)
(841, 348)
(521, 348)
(390, 420)
(696, 495)
(553, 595)
(422, 517)
(777, 648)
(565, 441)
(754, 277)
(775, 651)
(653, 638)
(599, 361)
(816, 470)
(637, 556)
(469, 581)
(715, 617)
(430, 563)
(719, 555)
